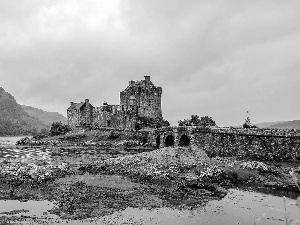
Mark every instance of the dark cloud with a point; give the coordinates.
(213, 58)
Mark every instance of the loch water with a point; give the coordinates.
(239, 206)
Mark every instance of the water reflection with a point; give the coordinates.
(29, 208)
(238, 207)
(272, 191)
(29, 212)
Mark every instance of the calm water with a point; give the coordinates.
(237, 207)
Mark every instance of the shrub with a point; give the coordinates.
(57, 128)
(195, 120)
(113, 135)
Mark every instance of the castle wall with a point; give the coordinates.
(73, 118)
(150, 103)
(86, 112)
(100, 117)
(115, 116)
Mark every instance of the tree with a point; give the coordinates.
(164, 123)
(196, 121)
(184, 122)
(207, 121)
(57, 128)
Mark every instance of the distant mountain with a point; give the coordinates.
(295, 124)
(15, 120)
(267, 124)
(46, 117)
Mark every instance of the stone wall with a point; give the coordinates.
(73, 118)
(100, 117)
(255, 147)
(86, 113)
(115, 116)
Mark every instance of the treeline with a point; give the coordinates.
(13, 119)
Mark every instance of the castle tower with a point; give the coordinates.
(147, 97)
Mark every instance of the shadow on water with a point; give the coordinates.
(278, 192)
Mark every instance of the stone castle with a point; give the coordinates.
(139, 99)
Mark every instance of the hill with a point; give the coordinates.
(14, 120)
(267, 124)
(294, 124)
(46, 117)
(23, 120)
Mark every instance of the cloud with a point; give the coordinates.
(212, 58)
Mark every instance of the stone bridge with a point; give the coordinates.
(173, 136)
(257, 144)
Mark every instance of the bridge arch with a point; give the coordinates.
(157, 141)
(169, 140)
(184, 140)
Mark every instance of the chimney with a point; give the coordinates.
(159, 90)
(87, 101)
(147, 80)
(72, 103)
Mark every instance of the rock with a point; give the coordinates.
(189, 179)
(23, 141)
(220, 189)
(256, 165)
(271, 183)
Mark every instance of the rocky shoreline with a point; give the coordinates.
(91, 182)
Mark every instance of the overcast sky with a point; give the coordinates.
(214, 58)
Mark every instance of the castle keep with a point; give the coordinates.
(139, 99)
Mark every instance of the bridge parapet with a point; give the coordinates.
(270, 144)
(174, 136)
